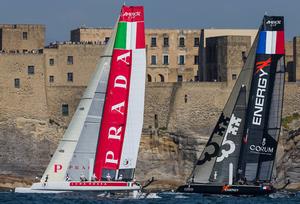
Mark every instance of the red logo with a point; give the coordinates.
(262, 64)
(57, 167)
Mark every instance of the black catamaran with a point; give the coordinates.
(239, 156)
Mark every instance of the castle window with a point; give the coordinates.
(153, 59)
(196, 59)
(106, 39)
(181, 42)
(70, 76)
(153, 42)
(51, 79)
(30, 69)
(17, 83)
(25, 35)
(161, 77)
(179, 78)
(234, 77)
(65, 109)
(181, 60)
(51, 62)
(165, 59)
(166, 41)
(196, 42)
(149, 78)
(244, 56)
(70, 60)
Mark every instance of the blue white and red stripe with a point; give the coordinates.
(270, 42)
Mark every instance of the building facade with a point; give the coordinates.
(173, 55)
(21, 38)
(60, 72)
(225, 57)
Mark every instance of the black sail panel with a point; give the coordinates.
(265, 103)
(266, 162)
(230, 147)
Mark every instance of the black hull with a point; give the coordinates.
(226, 189)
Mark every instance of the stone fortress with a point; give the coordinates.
(189, 72)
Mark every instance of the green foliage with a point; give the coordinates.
(289, 119)
(163, 128)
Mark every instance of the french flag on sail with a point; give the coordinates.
(271, 42)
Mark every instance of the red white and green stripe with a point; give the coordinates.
(130, 35)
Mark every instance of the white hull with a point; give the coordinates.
(62, 187)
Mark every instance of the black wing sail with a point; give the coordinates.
(205, 165)
(265, 103)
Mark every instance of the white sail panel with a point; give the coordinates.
(58, 166)
(83, 128)
(135, 110)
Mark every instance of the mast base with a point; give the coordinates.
(227, 189)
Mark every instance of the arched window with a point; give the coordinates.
(149, 78)
(161, 77)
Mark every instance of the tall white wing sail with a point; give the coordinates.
(78, 145)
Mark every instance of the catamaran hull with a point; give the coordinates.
(226, 189)
(62, 187)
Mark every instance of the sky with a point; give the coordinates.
(61, 16)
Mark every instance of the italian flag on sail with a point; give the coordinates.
(130, 32)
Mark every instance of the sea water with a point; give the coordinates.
(165, 197)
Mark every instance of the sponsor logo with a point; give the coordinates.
(261, 91)
(262, 149)
(232, 129)
(273, 23)
(262, 64)
(120, 83)
(127, 162)
(57, 168)
(228, 188)
(78, 167)
(131, 15)
(188, 189)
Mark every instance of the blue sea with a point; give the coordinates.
(165, 197)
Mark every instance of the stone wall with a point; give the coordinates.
(172, 140)
(84, 60)
(29, 100)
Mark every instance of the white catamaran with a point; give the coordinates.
(98, 151)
